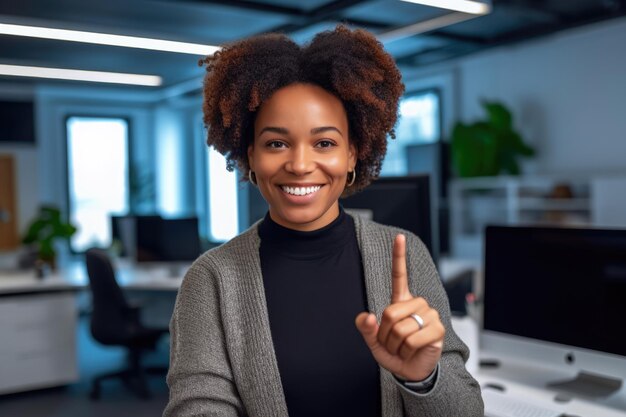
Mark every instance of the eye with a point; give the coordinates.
(325, 143)
(275, 144)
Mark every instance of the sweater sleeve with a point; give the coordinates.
(456, 392)
(200, 377)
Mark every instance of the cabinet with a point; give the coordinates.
(564, 201)
(38, 347)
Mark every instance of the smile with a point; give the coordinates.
(300, 190)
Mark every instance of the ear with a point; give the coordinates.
(352, 156)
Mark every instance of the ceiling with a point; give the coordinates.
(217, 22)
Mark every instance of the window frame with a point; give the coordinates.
(437, 91)
(203, 187)
(129, 158)
(422, 91)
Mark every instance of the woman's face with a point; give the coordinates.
(301, 155)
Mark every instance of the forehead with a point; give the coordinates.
(302, 104)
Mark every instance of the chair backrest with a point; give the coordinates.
(109, 317)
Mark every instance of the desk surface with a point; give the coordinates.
(526, 381)
(538, 394)
(150, 277)
(73, 277)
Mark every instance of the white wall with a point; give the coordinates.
(567, 92)
(175, 143)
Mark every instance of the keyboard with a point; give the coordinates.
(498, 404)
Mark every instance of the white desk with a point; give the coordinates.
(527, 381)
(74, 278)
(38, 319)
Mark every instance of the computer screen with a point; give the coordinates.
(148, 238)
(562, 287)
(397, 201)
(155, 239)
(179, 240)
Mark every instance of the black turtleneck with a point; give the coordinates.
(314, 287)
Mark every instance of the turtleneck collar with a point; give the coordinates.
(307, 245)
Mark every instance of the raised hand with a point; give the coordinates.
(405, 345)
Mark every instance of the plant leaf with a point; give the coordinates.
(498, 115)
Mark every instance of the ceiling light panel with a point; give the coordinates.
(107, 39)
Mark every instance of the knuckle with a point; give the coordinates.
(412, 343)
(397, 331)
(389, 314)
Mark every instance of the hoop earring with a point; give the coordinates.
(250, 176)
(349, 184)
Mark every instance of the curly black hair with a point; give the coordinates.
(350, 64)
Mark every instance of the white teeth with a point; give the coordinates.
(300, 190)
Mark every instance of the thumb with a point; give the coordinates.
(368, 327)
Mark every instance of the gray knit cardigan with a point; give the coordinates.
(222, 359)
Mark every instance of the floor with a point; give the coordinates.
(73, 400)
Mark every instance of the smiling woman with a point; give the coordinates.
(312, 312)
(301, 156)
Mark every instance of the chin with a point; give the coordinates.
(300, 216)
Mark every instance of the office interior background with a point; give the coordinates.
(117, 143)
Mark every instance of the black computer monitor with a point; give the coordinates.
(179, 240)
(151, 238)
(557, 294)
(148, 237)
(397, 201)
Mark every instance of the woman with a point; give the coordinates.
(312, 312)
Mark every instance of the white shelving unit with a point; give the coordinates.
(478, 202)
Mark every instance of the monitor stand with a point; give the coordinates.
(588, 384)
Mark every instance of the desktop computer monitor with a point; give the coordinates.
(125, 230)
(179, 240)
(397, 201)
(167, 240)
(155, 239)
(558, 296)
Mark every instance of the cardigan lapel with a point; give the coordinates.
(253, 358)
(376, 253)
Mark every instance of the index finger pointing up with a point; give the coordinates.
(399, 277)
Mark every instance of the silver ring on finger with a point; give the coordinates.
(419, 320)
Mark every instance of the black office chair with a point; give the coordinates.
(115, 322)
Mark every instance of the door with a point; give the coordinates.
(9, 239)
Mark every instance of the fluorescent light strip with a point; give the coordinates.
(80, 75)
(464, 6)
(107, 39)
(422, 27)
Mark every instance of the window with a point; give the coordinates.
(223, 205)
(419, 123)
(218, 192)
(97, 168)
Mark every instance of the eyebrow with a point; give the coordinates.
(314, 131)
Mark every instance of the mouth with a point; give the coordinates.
(300, 191)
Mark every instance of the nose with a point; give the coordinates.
(300, 161)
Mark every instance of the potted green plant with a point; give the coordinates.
(44, 230)
(488, 147)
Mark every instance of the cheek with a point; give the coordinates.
(336, 166)
(267, 166)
